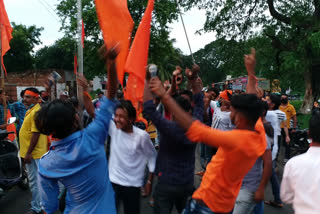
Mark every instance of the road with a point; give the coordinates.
(17, 201)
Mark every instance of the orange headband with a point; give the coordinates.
(31, 93)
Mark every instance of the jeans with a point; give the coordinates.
(275, 184)
(32, 170)
(287, 146)
(245, 203)
(259, 209)
(195, 208)
(206, 153)
(130, 196)
(166, 196)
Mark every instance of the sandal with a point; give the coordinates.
(151, 202)
(274, 204)
(200, 173)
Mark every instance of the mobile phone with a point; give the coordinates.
(153, 70)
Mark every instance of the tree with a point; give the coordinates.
(291, 26)
(161, 49)
(19, 57)
(59, 55)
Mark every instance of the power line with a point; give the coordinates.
(52, 14)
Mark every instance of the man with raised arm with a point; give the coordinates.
(238, 149)
(77, 159)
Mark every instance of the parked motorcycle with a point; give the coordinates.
(299, 143)
(12, 172)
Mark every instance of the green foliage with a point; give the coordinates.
(303, 120)
(161, 49)
(19, 58)
(59, 55)
(292, 28)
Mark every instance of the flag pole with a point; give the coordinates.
(2, 81)
(80, 59)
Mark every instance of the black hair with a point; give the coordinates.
(215, 90)
(57, 118)
(276, 100)
(249, 105)
(314, 127)
(42, 91)
(100, 92)
(186, 92)
(127, 105)
(34, 90)
(183, 103)
(75, 102)
(265, 108)
(22, 93)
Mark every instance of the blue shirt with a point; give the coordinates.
(12, 111)
(176, 156)
(20, 112)
(79, 162)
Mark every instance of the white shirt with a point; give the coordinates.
(281, 118)
(129, 154)
(301, 182)
(273, 119)
(220, 119)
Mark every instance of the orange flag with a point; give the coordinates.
(138, 58)
(6, 31)
(116, 24)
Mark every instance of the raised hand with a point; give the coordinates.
(250, 62)
(82, 81)
(193, 73)
(156, 87)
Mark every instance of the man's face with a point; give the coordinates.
(270, 103)
(213, 95)
(44, 95)
(28, 99)
(121, 119)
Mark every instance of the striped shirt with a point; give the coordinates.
(281, 118)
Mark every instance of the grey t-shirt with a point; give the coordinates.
(252, 179)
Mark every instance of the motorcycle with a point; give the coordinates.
(12, 172)
(299, 143)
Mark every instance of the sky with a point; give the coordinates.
(41, 13)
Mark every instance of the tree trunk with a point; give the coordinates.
(308, 100)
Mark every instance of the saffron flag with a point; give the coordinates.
(6, 30)
(116, 25)
(82, 34)
(75, 64)
(138, 58)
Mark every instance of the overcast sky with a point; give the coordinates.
(41, 13)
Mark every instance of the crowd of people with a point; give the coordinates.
(95, 164)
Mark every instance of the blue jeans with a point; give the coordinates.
(275, 184)
(194, 208)
(32, 170)
(245, 203)
(259, 209)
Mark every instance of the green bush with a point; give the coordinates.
(296, 103)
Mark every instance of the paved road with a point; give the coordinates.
(17, 201)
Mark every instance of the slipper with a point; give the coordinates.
(151, 202)
(143, 194)
(274, 204)
(200, 173)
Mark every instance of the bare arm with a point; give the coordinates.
(184, 119)
(266, 174)
(250, 63)
(295, 121)
(33, 144)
